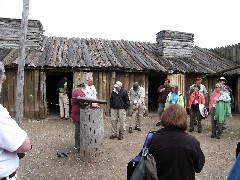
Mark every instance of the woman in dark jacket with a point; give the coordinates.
(177, 154)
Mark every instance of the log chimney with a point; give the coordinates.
(175, 44)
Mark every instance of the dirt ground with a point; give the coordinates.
(53, 135)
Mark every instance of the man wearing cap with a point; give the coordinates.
(63, 98)
(202, 90)
(119, 103)
(75, 112)
(137, 103)
(13, 140)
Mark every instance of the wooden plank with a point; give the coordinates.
(237, 101)
(100, 80)
(112, 80)
(43, 109)
(104, 89)
(146, 93)
(108, 92)
(36, 91)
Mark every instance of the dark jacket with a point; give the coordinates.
(163, 95)
(119, 100)
(177, 154)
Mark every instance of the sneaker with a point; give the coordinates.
(130, 130)
(158, 123)
(138, 128)
(113, 136)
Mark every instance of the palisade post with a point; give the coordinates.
(21, 64)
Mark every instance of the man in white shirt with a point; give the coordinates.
(137, 103)
(91, 91)
(13, 140)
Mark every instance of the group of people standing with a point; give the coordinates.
(219, 104)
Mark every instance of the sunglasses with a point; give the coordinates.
(217, 87)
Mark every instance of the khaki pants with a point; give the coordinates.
(64, 105)
(137, 116)
(115, 115)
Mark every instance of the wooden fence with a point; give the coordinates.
(229, 52)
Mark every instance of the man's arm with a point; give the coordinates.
(26, 146)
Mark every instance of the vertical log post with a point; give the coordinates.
(21, 64)
(91, 134)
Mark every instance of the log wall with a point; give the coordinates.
(34, 94)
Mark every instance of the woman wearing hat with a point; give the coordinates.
(75, 113)
(226, 88)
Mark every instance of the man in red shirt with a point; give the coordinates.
(75, 113)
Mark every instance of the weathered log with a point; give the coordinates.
(91, 135)
(91, 100)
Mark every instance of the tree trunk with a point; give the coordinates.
(21, 63)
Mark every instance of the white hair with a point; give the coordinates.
(2, 72)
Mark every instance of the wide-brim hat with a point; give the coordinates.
(118, 84)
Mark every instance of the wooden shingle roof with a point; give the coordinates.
(58, 52)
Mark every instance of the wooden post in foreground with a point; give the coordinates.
(21, 63)
(91, 135)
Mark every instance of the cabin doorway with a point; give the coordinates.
(154, 82)
(52, 95)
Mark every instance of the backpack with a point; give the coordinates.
(143, 166)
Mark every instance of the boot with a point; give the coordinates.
(120, 137)
(219, 130)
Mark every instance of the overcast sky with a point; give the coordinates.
(214, 23)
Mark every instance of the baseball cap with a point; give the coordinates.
(118, 84)
(199, 78)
